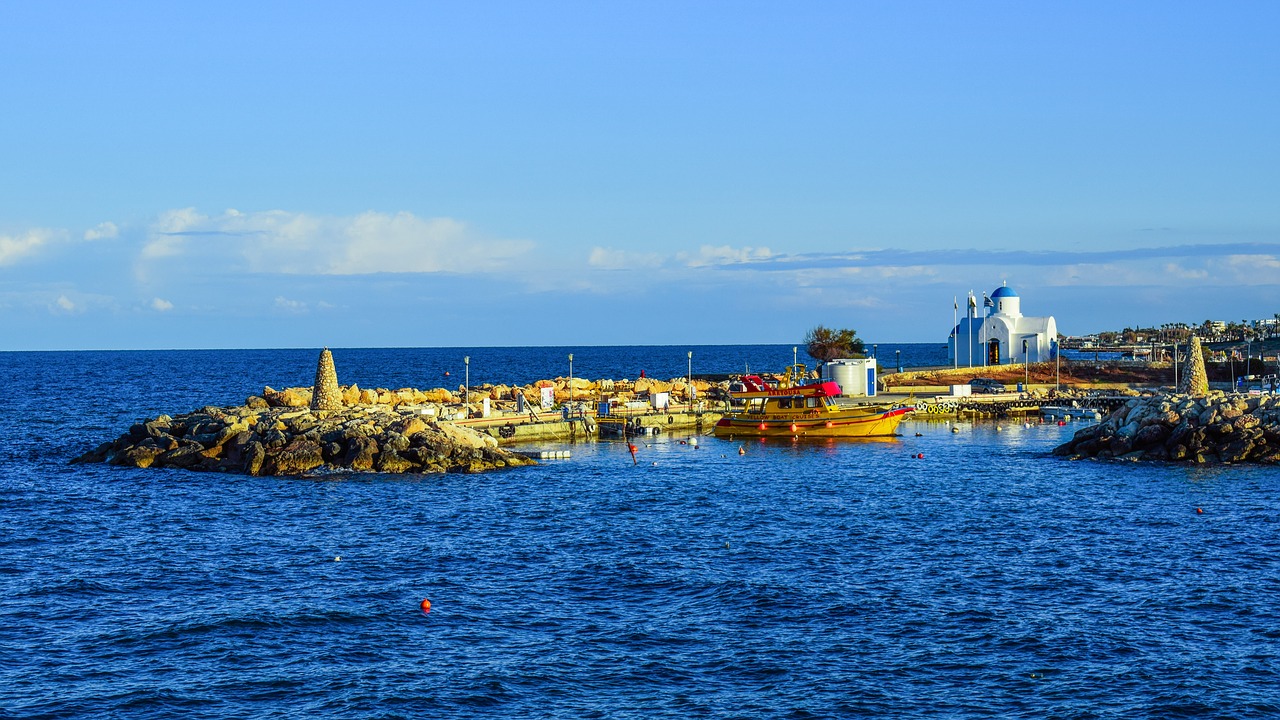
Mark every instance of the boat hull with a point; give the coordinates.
(833, 425)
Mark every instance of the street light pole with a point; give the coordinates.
(570, 378)
(466, 383)
(690, 393)
(899, 359)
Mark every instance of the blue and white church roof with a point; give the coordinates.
(1002, 334)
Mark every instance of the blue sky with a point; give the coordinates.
(420, 174)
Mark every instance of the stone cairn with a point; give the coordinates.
(325, 394)
(1195, 382)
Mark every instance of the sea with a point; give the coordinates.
(956, 571)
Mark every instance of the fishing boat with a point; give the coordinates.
(806, 411)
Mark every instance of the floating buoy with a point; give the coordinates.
(793, 427)
(693, 442)
(1199, 511)
(955, 429)
(762, 426)
(921, 456)
(1062, 423)
(337, 558)
(999, 429)
(919, 434)
(426, 606)
(742, 450)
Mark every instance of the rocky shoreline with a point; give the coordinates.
(291, 441)
(333, 428)
(1193, 425)
(1217, 427)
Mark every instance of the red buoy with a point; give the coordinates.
(1199, 511)
(426, 606)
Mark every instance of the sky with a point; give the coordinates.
(417, 174)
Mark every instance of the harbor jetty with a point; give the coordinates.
(1193, 424)
(330, 427)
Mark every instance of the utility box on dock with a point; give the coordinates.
(855, 376)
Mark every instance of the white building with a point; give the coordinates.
(1005, 335)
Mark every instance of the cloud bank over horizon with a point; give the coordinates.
(290, 276)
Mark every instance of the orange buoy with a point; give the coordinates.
(426, 606)
(920, 456)
(742, 450)
(762, 426)
(1199, 511)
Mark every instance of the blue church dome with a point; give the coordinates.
(1004, 292)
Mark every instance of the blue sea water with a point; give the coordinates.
(827, 580)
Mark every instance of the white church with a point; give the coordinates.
(1005, 335)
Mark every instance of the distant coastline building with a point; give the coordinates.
(1004, 335)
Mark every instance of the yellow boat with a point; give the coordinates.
(807, 411)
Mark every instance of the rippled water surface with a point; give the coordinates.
(847, 579)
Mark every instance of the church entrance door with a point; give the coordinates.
(993, 352)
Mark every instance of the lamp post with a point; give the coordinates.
(570, 377)
(1175, 365)
(898, 353)
(1057, 365)
(690, 393)
(1026, 368)
(795, 356)
(874, 348)
(466, 383)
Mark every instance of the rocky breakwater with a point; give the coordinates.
(257, 439)
(1213, 427)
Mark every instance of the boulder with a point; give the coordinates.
(361, 452)
(298, 457)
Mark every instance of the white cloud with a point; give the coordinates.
(1268, 262)
(277, 241)
(161, 305)
(15, 247)
(611, 259)
(65, 304)
(723, 255)
(1177, 271)
(103, 231)
(296, 307)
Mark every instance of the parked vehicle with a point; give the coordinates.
(986, 385)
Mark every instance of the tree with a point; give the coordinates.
(826, 344)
